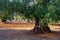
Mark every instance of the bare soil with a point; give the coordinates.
(22, 31)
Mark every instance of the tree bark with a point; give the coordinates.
(45, 27)
(39, 28)
(4, 20)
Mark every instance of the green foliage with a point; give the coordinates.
(44, 10)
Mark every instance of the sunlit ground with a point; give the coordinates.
(25, 26)
(21, 31)
(55, 27)
(17, 26)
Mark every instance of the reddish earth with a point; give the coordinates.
(21, 31)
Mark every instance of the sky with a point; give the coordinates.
(10, 0)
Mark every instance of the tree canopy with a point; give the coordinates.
(41, 11)
(44, 9)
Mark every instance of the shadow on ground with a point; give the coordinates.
(10, 34)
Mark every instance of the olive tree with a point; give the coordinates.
(43, 12)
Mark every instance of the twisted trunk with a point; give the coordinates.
(39, 28)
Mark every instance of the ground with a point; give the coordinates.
(21, 31)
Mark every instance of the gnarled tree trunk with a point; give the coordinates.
(41, 28)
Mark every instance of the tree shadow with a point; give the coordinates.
(13, 34)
